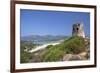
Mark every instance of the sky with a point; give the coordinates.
(45, 22)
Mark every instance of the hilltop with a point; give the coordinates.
(74, 48)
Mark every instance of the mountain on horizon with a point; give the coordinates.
(42, 38)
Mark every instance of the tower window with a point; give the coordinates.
(77, 29)
(73, 29)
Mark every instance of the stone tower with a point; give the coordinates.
(78, 30)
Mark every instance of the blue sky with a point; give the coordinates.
(43, 22)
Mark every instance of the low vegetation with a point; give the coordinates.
(73, 45)
(25, 55)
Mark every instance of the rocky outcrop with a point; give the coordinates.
(72, 57)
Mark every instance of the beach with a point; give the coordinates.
(41, 47)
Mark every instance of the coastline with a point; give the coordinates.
(43, 46)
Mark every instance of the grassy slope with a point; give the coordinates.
(73, 45)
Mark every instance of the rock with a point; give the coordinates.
(75, 57)
(67, 57)
(84, 55)
(71, 57)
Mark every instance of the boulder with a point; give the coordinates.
(71, 57)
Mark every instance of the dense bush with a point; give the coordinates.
(53, 54)
(49, 46)
(25, 57)
(73, 45)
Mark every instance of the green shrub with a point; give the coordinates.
(49, 46)
(53, 54)
(25, 57)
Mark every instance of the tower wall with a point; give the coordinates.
(78, 30)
